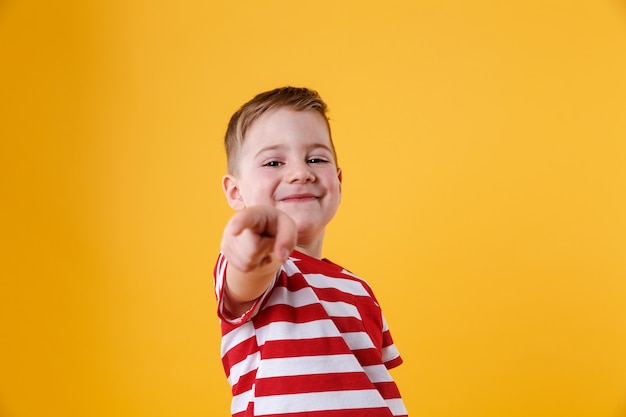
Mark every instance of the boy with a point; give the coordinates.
(301, 336)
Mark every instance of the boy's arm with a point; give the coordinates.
(256, 242)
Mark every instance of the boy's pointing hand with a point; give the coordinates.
(258, 236)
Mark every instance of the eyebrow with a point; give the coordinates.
(269, 148)
(281, 147)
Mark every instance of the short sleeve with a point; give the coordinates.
(219, 281)
(391, 355)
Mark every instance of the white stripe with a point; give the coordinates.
(358, 340)
(236, 336)
(346, 272)
(282, 330)
(219, 279)
(300, 298)
(249, 364)
(290, 267)
(318, 401)
(306, 296)
(240, 402)
(378, 373)
(390, 353)
(397, 407)
(385, 327)
(308, 365)
(340, 309)
(346, 285)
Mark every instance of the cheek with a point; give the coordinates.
(261, 189)
(333, 183)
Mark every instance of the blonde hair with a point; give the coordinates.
(295, 98)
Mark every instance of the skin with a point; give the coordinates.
(286, 189)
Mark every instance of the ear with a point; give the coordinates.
(230, 186)
(340, 179)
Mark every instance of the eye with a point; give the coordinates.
(317, 160)
(272, 164)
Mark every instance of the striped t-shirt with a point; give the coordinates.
(314, 344)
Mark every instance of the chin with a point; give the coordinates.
(309, 228)
(305, 227)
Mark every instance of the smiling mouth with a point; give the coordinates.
(298, 198)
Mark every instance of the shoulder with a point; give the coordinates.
(324, 273)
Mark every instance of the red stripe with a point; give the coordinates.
(294, 283)
(239, 352)
(283, 312)
(367, 357)
(302, 384)
(245, 383)
(388, 390)
(387, 339)
(305, 347)
(393, 363)
(359, 412)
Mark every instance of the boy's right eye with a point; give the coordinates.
(272, 164)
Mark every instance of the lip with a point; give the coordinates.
(296, 198)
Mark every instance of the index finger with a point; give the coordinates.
(255, 219)
(285, 237)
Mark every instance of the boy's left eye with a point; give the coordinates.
(317, 160)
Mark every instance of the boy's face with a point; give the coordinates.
(287, 161)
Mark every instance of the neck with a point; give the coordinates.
(312, 248)
(312, 252)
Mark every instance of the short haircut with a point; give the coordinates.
(295, 98)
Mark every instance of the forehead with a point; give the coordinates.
(287, 125)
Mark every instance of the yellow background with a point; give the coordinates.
(483, 145)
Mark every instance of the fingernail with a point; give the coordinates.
(285, 253)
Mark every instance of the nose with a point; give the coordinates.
(300, 172)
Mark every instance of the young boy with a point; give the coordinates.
(301, 336)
